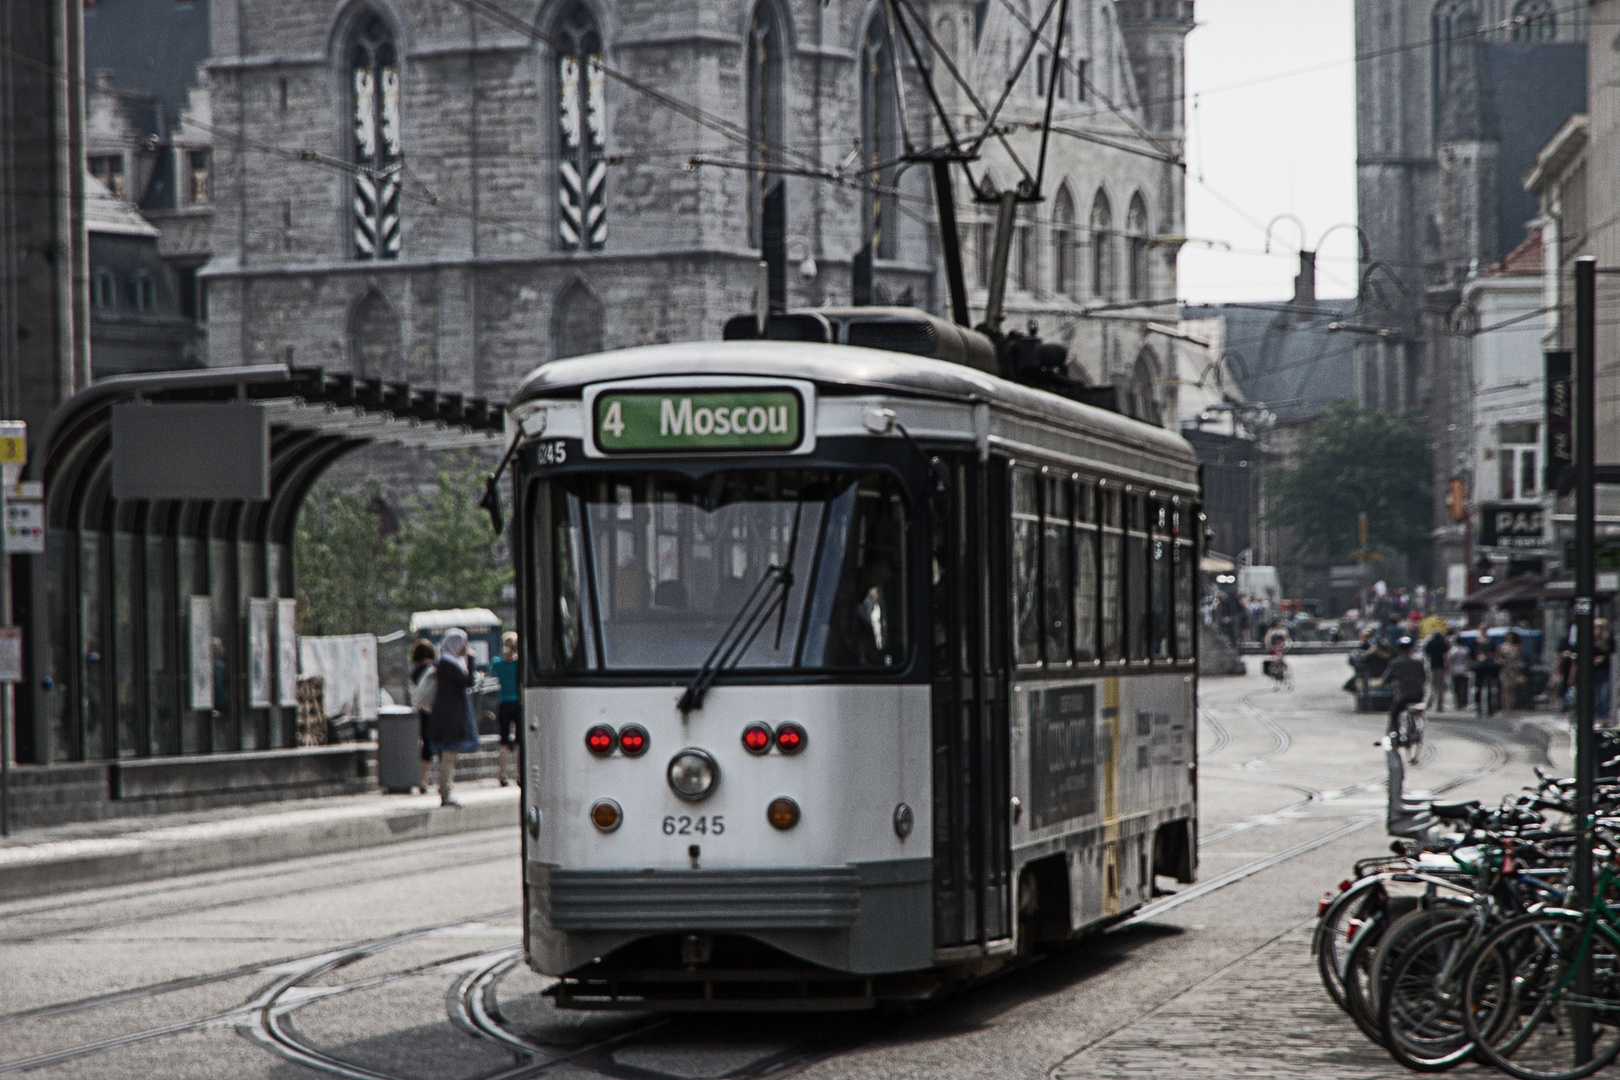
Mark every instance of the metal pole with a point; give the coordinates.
(1585, 588)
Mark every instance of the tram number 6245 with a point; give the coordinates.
(686, 826)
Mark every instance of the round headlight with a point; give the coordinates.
(693, 775)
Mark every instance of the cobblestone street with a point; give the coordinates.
(404, 961)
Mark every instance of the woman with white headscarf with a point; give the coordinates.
(450, 726)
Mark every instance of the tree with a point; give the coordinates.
(1356, 461)
(361, 571)
(452, 558)
(348, 567)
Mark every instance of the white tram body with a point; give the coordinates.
(985, 640)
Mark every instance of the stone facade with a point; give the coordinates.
(491, 276)
(1453, 100)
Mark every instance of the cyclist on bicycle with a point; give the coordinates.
(1408, 679)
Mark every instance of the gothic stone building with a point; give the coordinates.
(1453, 100)
(453, 191)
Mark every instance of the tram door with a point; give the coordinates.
(970, 705)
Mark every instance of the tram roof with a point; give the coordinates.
(840, 370)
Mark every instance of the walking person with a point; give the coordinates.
(1602, 652)
(450, 726)
(1487, 688)
(509, 709)
(1434, 651)
(1459, 662)
(1510, 661)
(423, 657)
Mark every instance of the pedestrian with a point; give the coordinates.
(1458, 662)
(450, 726)
(1487, 688)
(1434, 651)
(1602, 651)
(509, 709)
(423, 657)
(1510, 665)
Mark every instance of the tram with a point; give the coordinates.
(849, 673)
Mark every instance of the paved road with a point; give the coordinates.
(403, 962)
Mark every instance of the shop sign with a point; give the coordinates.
(1511, 525)
(1560, 424)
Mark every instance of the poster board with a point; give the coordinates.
(287, 653)
(259, 653)
(200, 625)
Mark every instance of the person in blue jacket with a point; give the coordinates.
(509, 709)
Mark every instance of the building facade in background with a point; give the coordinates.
(1453, 101)
(454, 192)
(44, 309)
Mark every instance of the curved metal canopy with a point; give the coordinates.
(107, 606)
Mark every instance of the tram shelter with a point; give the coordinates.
(159, 666)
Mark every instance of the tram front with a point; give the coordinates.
(727, 704)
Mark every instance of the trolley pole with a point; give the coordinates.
(1585, 590)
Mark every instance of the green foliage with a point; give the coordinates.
(355, 578)
(1356, 461)
(348, 572)
(452, 559)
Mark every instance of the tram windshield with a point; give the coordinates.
(647, 570)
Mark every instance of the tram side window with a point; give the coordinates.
(1057, 574)
(1085, 576)
(1162, 552)
(561, 640)
(1136, 579)
(1113, 557)
(1181, 523)
(1026, 565)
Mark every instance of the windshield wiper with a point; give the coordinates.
(739, 634)
(773, 589)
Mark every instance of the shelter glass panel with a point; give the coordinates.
(65, 741)
(92, 669)
(163, 728)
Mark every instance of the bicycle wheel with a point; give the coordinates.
(1366, 970)
(1344, 915)
(1518, 1006)
(1420, 1013)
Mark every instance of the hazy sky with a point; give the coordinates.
(1273, 132)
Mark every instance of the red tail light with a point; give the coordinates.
(633, 740)
(757, 738)
(601, 740)
(790, 738)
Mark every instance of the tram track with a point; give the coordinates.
(1222, 736)
(257, 898)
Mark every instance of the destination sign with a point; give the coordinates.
(687, 421)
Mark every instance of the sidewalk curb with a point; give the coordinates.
(69, 865)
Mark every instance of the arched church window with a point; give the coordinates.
(1063, 242)
(576, 322)
(765, 109)
(373, 337)
(1534, 20)
(373, 61)
(880, 138)
(1102, 246)
(582, 132)
(1136, 244)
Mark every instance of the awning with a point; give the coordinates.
(1212, 563)
(1519, 589)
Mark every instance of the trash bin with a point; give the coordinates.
(398, 748)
